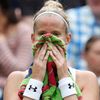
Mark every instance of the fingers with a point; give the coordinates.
(58, 56)
(53, 57)
(56, 52)
(37, 53)
(41, 57)
(46, 57)
(43, 51)
(60, 50)
(40, 53)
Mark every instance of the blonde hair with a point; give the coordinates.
(52, 7)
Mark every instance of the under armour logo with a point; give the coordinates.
(71, 85)
(31, 88)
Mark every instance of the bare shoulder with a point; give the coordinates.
(86, 75)
(12, 85)
(88, 84)
(86, 78)
(14, 79)
(16, 76)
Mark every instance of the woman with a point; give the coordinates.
(49, 77)
(15, 42)
(92, 55)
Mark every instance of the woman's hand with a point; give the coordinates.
(40, 61)
(58, 56)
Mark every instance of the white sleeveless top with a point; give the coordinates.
(73, 72)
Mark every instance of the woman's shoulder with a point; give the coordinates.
(85, 74)
(12, 85)
(16, 77)
(82, 74)
(86, 78)
(18, 74)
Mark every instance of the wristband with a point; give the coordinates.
(33, 89)
(67, 87)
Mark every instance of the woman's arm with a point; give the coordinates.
(90, 89)
(89, 85)
(60, 61)
(15, 78)
(12, 86)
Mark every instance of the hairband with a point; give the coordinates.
(50, 12)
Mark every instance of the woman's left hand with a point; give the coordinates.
(58, 56)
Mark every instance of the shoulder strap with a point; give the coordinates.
(72, 74)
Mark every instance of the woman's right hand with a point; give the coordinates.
(40, 61)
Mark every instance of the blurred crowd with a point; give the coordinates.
(16, 27)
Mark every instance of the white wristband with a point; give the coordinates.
(33, 89)
(67, 87)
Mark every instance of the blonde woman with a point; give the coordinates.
(49, 77)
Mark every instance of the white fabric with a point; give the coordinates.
(67, 87)
(73, 72)
(33, 89)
